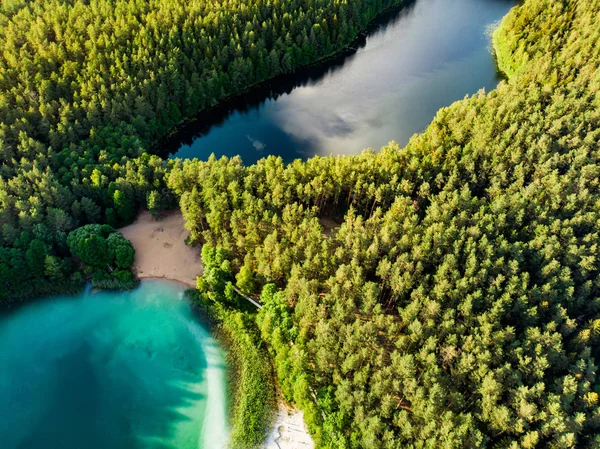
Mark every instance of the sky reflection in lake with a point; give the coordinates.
(429, 55)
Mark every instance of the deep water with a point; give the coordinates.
(111, 370)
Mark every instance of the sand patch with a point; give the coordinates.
(160, 249)
(289, 430)
(161, 252)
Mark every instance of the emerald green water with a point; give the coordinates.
(111, 370)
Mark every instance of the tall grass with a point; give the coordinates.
(251, 388)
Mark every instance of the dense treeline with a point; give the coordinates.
(105, 254)
(457, 305)
(37, 213)
(72, 66)
(87, 87)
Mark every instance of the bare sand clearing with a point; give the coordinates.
(289, 430)
(160, 249)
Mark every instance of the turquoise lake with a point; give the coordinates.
(111, 370)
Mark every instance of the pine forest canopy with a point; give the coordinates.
(456, 306)
(86, 85)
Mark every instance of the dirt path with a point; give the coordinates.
(160, 249)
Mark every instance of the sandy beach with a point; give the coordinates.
(289, 430)
(160, 249)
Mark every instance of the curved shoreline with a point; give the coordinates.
(215, 425)
(164, 147)
(167, 279)
(161, 254)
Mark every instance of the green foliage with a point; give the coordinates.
(253, 391)
(156, 202)
(124, 205)
(216, 284)
(36, 258)
(245, 280)
(119, 280)
(217, 272)
(106, 254)
(276, 317)
(251, 381)
(93, 250)
(88, 243)
(457, 305)
(120, 250)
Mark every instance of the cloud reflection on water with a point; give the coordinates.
(433, 53)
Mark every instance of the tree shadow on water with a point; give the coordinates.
(95, 406)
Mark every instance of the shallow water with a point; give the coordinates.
(414, 62)
(111, 370)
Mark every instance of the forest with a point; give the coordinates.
(456, 304)
(87, 89)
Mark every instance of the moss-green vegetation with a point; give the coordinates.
(253, 391)
(38, 288)
(523, 40)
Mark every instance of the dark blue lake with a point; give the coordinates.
(410, 64)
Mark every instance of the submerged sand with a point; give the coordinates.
(160, 249)
(126, 372)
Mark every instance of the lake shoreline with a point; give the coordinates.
(289, 429)
(166, 279)
(154, 261)
(163, 147)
